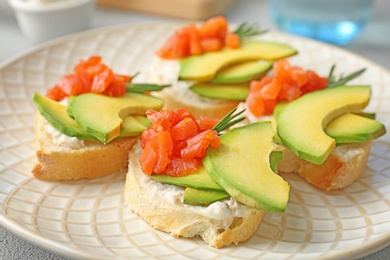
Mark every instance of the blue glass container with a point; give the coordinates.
(333, 21)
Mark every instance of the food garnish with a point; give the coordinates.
(89, 75)
(92, 75)
(245, 30)
(229, 120)
(288, 83)
(176, 142)
(334, 82)
(212, 35)
(144, 87)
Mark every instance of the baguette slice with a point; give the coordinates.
(343, 167)
(161, 206)
(60, 161)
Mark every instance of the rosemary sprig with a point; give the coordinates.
(246, 30)
(140, 88)
(229, 120)
(334, 82)
(331, 77)
(135, 75)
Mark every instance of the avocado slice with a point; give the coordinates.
(55, 113)
(366, 114)
(198, 180)
(221, 91)
(241, 166)
(347, 128)
(205, 67)
(131, 126)
(352, 128)
(282, 104)
(243, 72)
(102, 115)
(301, 124)
(203, 197)
(143, 120)
(274, 158)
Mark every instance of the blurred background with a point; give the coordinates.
(364, 24)
(360, 26)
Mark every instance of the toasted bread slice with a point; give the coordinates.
(344, 166)
(161, 206)
(74, 159)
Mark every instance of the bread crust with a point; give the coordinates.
(343, 166)
(172, 216)
(92, 160)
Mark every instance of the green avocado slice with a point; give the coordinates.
(131, 126)
(302, 122)
(203, 197)
(347, 128)
(243, 72)
(102, 115)
(242, 167)
(221, 91)
(198, 180)
(55, 113)
(204, 67)
(352, 128)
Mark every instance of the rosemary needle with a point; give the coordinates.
(246, 30)
(229, 120)
(333, 82)
(140, 88)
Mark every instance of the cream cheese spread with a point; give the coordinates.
(61, 140)
(221, 210)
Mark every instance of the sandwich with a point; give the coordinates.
(192, 181)
(209, 67)
(87, 123)
(321, 127)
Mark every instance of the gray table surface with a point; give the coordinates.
(374, 44)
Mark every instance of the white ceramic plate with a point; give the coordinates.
(89, 219)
